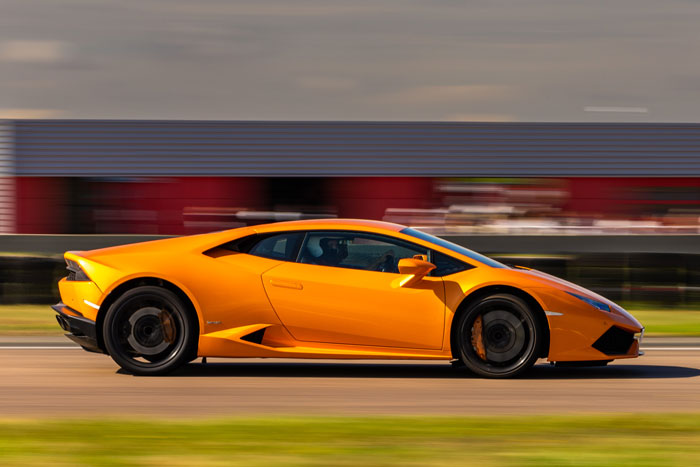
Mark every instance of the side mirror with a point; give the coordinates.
(414, 269)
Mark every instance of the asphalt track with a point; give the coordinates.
(36, 381)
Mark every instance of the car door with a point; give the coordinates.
(344, 289)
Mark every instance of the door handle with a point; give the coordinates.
(286, 284)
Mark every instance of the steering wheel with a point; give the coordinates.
(388, 265)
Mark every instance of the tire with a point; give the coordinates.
(499, 336)
(148, 331)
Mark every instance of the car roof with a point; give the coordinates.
(332, 224)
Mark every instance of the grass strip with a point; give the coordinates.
(601, 440)
(669, 323)
(38, 320)
(28, 320)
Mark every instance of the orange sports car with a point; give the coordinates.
(346, 289)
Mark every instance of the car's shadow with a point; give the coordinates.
(421, 371)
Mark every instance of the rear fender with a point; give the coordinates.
(134, 280)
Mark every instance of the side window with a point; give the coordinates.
(357, 250)
(445, 265)
(282, 247)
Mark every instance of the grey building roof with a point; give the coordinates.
(282, 148)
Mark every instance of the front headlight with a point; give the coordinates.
(600, 305)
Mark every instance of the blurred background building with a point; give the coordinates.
(181, 177)
(612, 206)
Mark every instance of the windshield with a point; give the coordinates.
(454, 247)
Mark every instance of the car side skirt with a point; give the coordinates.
(276, 342)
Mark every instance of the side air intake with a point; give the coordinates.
(614, 341)
(255, 337)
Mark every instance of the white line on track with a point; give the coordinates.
(70, 347)
(39, 347)
(647, 349)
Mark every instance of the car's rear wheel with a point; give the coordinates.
(149, 331)
(499, 336)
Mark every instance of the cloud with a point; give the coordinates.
(433, 94)
(326, 83)
(34, 51)
(29, 113)
(282, 8)
(599, 108)
(542, 60)
(477, 117)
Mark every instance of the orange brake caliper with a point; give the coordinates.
(477, 338)
(168, 329)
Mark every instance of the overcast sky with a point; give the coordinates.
(538, 60)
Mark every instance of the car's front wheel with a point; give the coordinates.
(149, 331)
(499, 336)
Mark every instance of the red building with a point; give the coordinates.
(174, 177)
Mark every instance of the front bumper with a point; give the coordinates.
(578, 332)
(80, 329)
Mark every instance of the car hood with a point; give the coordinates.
(553, 281)
(548, 280)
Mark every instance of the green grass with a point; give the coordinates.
(635, 440)
(669, 323)
(28, 320)
(38, 320)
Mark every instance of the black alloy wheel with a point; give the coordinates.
(499, 336)
(148, 331)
